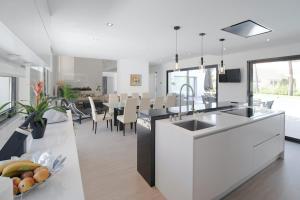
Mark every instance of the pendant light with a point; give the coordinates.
(202, 67)
(176, 28)
(222, 66)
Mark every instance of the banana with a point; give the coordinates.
(17, 168)
(6, 163)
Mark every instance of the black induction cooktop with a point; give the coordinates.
(245, 112)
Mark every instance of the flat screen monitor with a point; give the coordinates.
(230, 76)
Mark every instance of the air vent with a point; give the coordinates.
(247, 29)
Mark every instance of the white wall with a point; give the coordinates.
(88, 72)
(131, 66)
(66, 68)
(11, 69)
(81, 72)
(231, 91)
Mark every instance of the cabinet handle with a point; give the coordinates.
(254, 146)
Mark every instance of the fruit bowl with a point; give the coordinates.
(42, 166)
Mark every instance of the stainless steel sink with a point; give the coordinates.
(194, 125)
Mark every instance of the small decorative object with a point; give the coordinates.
(38, 89)
(135, 79)
(30, 171)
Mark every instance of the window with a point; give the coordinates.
(203, 83)
(7, 94)
(274, 83)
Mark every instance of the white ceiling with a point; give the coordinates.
(144, 28)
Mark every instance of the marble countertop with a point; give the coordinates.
(67, 184)
(221, 121)
(175, 110)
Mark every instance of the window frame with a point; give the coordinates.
(10, 112)
(195, 68)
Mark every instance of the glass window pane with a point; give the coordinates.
(5, 88)
(176, 80)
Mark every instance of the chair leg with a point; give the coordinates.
(95, 127)
(106, 123)
(131, 125)
(118, 125)
(124, 129)
(135, 127)
(110, 125)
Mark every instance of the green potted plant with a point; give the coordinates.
(42, 105)
(68, 93)
(3, 106)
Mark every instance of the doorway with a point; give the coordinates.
(275, 84)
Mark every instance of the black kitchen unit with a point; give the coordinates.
(146, 134)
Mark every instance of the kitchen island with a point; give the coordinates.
(207, 156)
(146, 123)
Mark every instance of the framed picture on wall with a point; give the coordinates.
(135, 80)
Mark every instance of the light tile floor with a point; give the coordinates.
(108, 168)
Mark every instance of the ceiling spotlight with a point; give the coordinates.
(268, 40)
(109, 24)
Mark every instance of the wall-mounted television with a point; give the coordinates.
(230, 76)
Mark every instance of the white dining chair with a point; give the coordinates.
(112, 99)
(145, 95)
(170, 101)
(135, 95)
(99, 117)
(123, 97)
(129, 116)
(145, 104)
(158, 103)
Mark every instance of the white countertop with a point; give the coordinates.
(222, 121)
(67, 184)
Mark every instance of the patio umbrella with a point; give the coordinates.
(208, 84)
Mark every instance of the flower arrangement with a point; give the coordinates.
(42, 105)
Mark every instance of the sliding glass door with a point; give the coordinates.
(275, 84)
(204, 83)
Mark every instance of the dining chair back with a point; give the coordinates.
(135, 95)
(144, 104)
(130, 110)
(158, 103)
(145, 95)
(93, 109)
(112, 99)
(123, 97)
(170, 101)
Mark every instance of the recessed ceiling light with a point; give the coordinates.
(268, 39)
(109, 24)
(224, 48)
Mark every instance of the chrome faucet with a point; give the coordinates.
(187, 85)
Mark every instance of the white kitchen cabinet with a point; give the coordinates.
(222, 159)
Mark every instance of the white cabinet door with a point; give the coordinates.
(266, 152)
(265, 129)
(224, 159)
(221, 161)
(271, 144)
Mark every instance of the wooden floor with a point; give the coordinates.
(108, 167)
